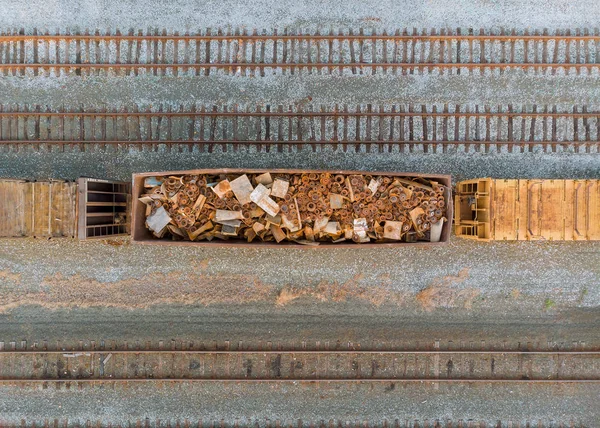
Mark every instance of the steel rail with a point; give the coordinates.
(293, 37)
(295, 142)
(298, 380)
(305, 114)
(263, 65)
(301, 351)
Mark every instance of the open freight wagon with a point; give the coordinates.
(283, 218)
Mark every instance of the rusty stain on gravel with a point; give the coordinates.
(116, 242)
(385, 278)
(10, 276)
(334, 291)
(60, 291)
(442, 293)
(156, 288)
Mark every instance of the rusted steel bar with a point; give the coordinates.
(289, 37)
(298, 142)
(298, 380)
(296, 352)
(246, 65)
(293, 114)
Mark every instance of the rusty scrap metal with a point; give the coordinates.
(306, 208)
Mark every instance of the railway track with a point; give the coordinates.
(93, 365)
(407, 128)
(298, 423)
(343, 51)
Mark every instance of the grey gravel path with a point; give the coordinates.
(185, 14)
(251, 404)
(512, 87)
(120, 165)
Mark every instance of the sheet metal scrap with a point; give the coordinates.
(305, 208)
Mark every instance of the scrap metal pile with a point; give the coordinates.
(304, 208)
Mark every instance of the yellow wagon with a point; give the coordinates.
(489, 209)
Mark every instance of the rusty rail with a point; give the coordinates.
(295, 381)
(74, 353)
(302, 114)
(278, 423)
(286, 37)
